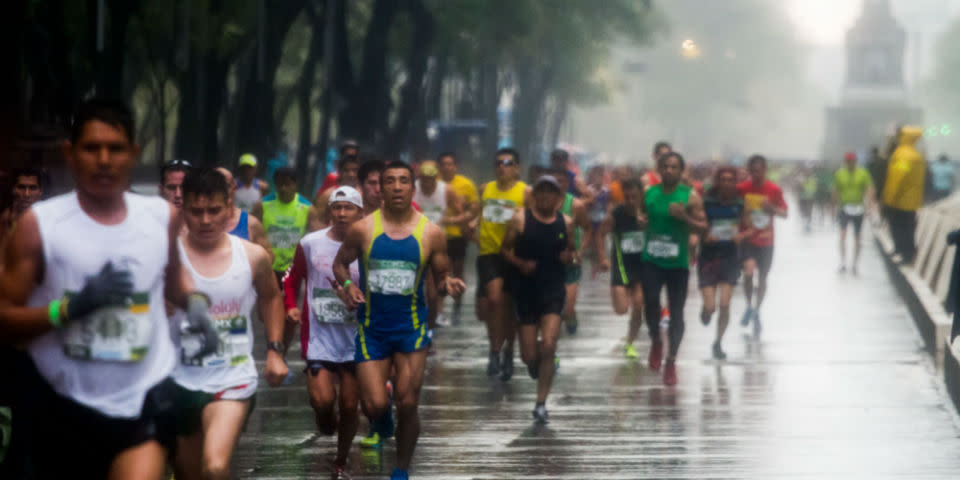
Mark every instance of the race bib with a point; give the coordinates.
(434, 214)
(597, 215)
(760, 219)
(632, 242)
(663, 247)
(327, 307)
(113, 334)
(232, 350)
(723, 230)
(391, 277)
(853, 209)
(283, 236)
(497, 211)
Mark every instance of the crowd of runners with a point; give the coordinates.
(131, 318)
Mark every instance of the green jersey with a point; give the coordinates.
(567, 209)
(285, 224)
(668, 239)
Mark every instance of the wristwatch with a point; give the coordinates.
(278, 347)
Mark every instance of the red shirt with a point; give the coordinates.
(295, 276)
(652, 178)
(753, 198)
(331, 180)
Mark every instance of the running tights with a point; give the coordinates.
(675, 279)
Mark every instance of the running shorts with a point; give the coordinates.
(457, 247)
(856, 220)
(70, 439)
(374, 345)
(532, 306)
(762, 255)
(190, 405)
(314, 366)
(626, 273)
(717, 270)
(573, 274)
(489, 268)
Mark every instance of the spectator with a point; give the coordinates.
(903, 193)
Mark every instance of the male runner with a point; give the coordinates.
(852, 187)
(763, 200)
(442, 206)
(328, 328)
(347, 170)
(458, 231)
(538, 244)
(369, 177)
(249, 189)
(92, 312)
(597, 207)
(171, 177)
(500, 199)
(628, 223)
(215, 391)
(719, 265)
(674, 210)
(652, 177)
(397, 245)
(27, 190)
(576, 209)
(241, 223)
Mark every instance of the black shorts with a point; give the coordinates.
(762, 255)
(627, 271)
(314, 366)
(722, 269)
(68, 438)
(190, 405)
(489, 268)
(856, 220)
(532, 306)
(457, 248)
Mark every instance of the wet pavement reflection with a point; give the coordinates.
(838, 386)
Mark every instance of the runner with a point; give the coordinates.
(171, 177)
(652, 177)
(328, 328)
(215, 391)
(499, 199)
(284, 216)
(576, 209)
(249, 190)
(440, 205)
(92, 312)
(369, 177)
(347, 170)
(458, 230)
(852, 189)
(538, 245)
(763, 200)
(396, 245)
(560, 160)
(240, 223)
(627, 222)
(674, 210)
(27, 190)
(598, 207)
(719, 265)
(349, 148)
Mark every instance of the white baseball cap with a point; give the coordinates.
(346, 194)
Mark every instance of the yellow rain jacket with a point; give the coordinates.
(903, 189)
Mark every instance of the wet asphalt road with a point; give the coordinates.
(838, 386)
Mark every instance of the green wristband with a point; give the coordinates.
(347, 283)
(54, 313)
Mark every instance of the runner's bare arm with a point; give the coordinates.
(270, 310)
(440, 264)
(23, 271)
(478, 212)
(177, 281)
(258, 235)
(264, 188)
(350, 251)
(514, 227)
(257, 211)
(458, 207)
(696, 217)
(581, 218)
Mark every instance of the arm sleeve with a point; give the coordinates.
(296, 274)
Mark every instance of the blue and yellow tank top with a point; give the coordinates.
(391, 278)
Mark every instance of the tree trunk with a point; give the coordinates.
(305, 93)
(119, 13)
(556, 123)
(411, 96)
(533, 83)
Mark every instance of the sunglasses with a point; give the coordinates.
(505, 163)
(179, 162)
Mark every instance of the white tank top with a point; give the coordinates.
(109, 359)
(331, 329)
(434, 205)
(232, 300)
(247, 196)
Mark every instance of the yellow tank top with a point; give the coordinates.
(497, 210)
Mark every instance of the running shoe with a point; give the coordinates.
(443, 321)
(506, 368)
(540, 415)
(340, 472)
(656, 356)
(718, 352)
(842, 269)
(670, 373)
(399, 474)
(371, 441)
(572, 324)
(631, 352)
(705, 319)
(493, 365)
(747, 315)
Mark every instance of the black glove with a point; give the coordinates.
(108, 288)
(200, 320)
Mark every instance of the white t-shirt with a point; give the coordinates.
(331, 330)
(109, 359)
(432, 206)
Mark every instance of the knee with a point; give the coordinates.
(622, 309)
(407, 404)
(321, 400)
(374, 408)
(548, 349)
(216, 468)
(527, 357)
